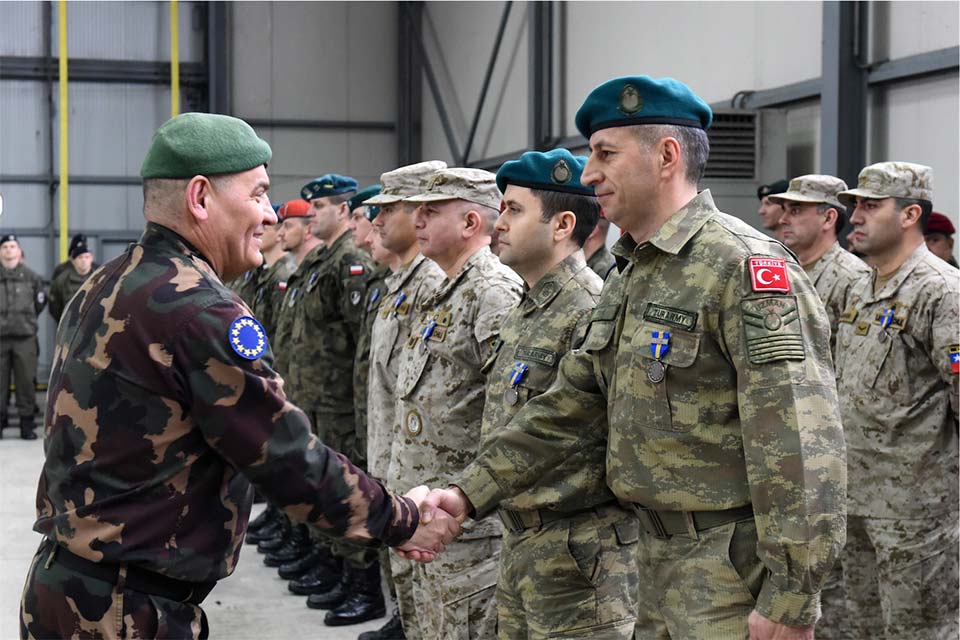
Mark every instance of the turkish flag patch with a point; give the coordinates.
(769, 274)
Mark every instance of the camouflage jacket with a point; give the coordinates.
(440, 388)
(326, 322)
(391, 328)
(62, 289)
(272, 285)
(550, 320)
(833, 275)
(22, 298)
(601, 261)
(155, 423)
(376, 287)
(284, 313)
(740, 408)
(897, 363)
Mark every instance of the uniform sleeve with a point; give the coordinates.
(548, 429)
(353, 290)
(944, 341)
(792, 437)
(240, 407)
(495, 304)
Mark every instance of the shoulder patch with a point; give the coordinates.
(772, 327)
(955, 358)
(769, 274)
(356, 269)
(247, 338)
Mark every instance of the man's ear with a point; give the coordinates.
(198, 193)
(910, 216)
(473, 223)
(563, 225)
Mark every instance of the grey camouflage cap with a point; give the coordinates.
(814, 187)
(891, 180)
(404, 182)
(473, 185)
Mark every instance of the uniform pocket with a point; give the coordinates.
(667, 393)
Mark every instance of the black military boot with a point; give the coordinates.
(393, 630)
(279, 539)
(364, 599)
(297, 546)
(321, 579)
(26, 428)
(297, 568)
(272, 529)
(333, 597)
(266, 517)
(3, 424)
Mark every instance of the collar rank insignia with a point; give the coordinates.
(955, 358)
(659, 345)
(248, 338)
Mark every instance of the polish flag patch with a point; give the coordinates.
(282, 285)
(769, 274)
(356, 269)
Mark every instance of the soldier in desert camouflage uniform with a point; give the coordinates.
(708, 355)
(440, 389)
(163, 407)
(558, 530)
(897, 364)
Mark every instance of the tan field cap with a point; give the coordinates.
(812, 188)
(404, 182)
(891, 180)
(472, 185)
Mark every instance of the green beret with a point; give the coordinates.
(362, 196)
(207, 144)
(633, 100)
(332, 184)
(556, 170)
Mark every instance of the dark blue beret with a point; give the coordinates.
(556, 170)
(332, 184)
(633, 100)
(276, 206)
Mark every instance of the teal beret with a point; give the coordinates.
(203, 144)
(633, 100)
(332, 184)
(362, 196)
(556, 170)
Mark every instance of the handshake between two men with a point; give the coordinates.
(442, 511)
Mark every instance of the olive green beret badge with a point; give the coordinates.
(630, 100)
(561, 172)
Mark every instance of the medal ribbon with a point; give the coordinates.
(659, 343)
(519, 370)
(886, 318)
(428, 330)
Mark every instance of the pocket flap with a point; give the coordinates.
(598, 335)
(683, 345)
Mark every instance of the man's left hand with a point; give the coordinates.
(762, 628)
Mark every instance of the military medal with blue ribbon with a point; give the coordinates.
(426, 333)
(511, 395)
(659, 345)
(886, 319)
(396, 305)
(247, 338)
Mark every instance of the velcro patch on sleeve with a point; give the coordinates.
(772, 327)
(769, 274)
(955, 358)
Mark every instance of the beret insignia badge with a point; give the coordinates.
(247, 338)
(561, 173)
(630, 100)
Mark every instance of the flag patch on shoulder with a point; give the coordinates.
(769, 274)
(356, 269)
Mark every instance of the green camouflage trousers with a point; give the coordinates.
(573, 578)
(401, 571)
(60, 603)
(698, 589)
(454, 594)
(901, 576)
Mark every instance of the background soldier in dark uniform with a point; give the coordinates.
(71, 278)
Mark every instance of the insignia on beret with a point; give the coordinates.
(630, 100)
(561, 172)
(248, 338)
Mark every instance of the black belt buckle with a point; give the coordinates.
(651, 522)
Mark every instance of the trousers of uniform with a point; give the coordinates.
(572, 578)
(693, 589)
(401, 570)
(58, 602)
(20, 356)
(454, 594)
(902, 577)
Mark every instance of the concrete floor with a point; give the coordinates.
(252, 603)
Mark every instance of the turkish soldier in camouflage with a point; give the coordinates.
(440, 389)
(70, 280)
(708, 356)
(595, 249)
(414, 277)
(163, 407)
(558, 531)
(22, 298)
(897, 363)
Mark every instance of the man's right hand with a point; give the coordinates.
(433, 533)
(451, 500)
(440, 509)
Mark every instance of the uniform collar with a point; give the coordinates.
(399, 279)
(448, 284)
(893, 284)
(157, 235)
(674, 234)
(550, 285)
(818, 267)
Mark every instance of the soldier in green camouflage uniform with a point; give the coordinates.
(278, 265)
(413, 278)
(163, 408)
(568, 523)
(22, 298)
(598, 256)
(440, 390)
(708, 355)
(70, 280)
(813, 218)
(897, 363)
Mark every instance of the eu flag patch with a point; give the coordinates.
(248, 338)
